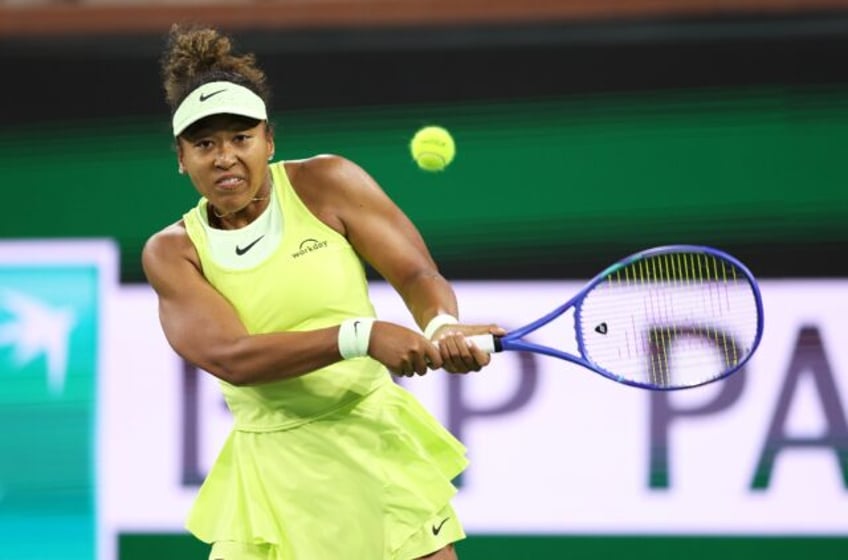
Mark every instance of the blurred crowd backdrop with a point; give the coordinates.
(586, 130)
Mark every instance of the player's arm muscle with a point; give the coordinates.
(383, 235)
(203, 327)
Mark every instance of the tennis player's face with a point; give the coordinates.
(227, 159)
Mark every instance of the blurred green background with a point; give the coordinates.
(502, 547)
(553, 188)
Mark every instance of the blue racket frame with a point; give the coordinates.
(512, 340)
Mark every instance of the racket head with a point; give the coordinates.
(671, 317)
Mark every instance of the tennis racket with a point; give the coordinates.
(671, 317)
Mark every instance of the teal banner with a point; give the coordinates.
(49, 321)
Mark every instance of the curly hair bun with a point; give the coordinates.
(197, 55)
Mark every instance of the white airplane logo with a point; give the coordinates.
(35, 330)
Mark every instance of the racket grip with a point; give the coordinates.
(486, 342)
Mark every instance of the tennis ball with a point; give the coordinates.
(432, 148)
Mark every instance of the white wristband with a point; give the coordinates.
(438, 322)
(354, 337)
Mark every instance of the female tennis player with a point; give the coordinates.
(261, 285)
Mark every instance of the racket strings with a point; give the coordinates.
(671, 319)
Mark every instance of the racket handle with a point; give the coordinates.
(486, 342)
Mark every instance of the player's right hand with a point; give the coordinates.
(403, 351)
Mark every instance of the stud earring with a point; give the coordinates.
(181, 170)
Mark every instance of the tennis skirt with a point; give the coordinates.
(356, 483)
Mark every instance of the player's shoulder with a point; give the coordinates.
(168, 242)
(166, 253)
(321, 167)
(328, 176)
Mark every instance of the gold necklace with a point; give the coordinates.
(256, 199)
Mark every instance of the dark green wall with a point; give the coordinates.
(539, 188)
(503, 547)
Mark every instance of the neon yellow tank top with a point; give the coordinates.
(314, 279)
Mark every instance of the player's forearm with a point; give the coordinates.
(427, 295)
(257, 359)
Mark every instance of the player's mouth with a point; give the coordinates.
(229, 182)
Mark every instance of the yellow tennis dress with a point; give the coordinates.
(340, 463)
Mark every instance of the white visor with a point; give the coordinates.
(216, 98)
